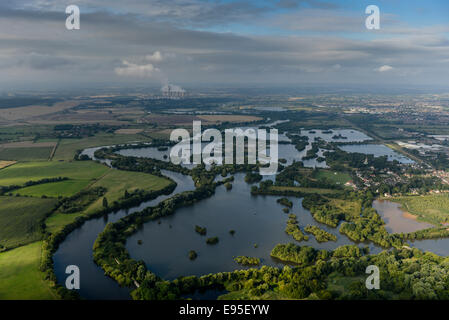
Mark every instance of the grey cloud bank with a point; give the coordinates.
(148, 41)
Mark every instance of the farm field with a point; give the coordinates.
(336, 177)
(4, 164)
(304, 190)
(20, 173)
(429, 208)
(20, 219)
(116, 182)
(228, 118)
(20, 277)
(57, 221)
(25, 154)
(67, 147)
(25, 112)
(65, 188)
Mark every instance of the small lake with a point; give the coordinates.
(396, 219)
(336, 135)
(377, 150)
(396, 222)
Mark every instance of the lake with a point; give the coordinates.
(396, 219)
(377, 150)
(257, 220)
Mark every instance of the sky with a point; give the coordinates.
(238, 43)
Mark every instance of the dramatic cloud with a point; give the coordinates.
(195, 42)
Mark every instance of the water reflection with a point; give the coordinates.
(259, 225)
(76, 249)
(377, 150)
(397, 220)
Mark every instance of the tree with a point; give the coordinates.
(105, 202)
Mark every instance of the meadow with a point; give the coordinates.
(65, 188)
(116, 182)
(25, 154)
(20, 173)
(335, 177)
(432, 208)
(305, 190)
(67, 147)
(20, 277)
(20, 219)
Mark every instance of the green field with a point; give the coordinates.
(305, 190)
(25, 154)
(62, 188)
(335, 177)
(67, 147)
(57, 221)
(430, 208)
(20, 218)
(20, 173)
(20, 277)
(116, 182)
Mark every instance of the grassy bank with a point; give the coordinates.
(20, 277)
(432, 208)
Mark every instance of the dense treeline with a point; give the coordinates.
(81, 200)
(320, 234)
(285, 202)
(339, 160)
(322, 210)
(420, 184)
(300, 142)
(6, 189)
(296, 174)
(247, 261)
(252, 177)
(312, 152)
(293, 229)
